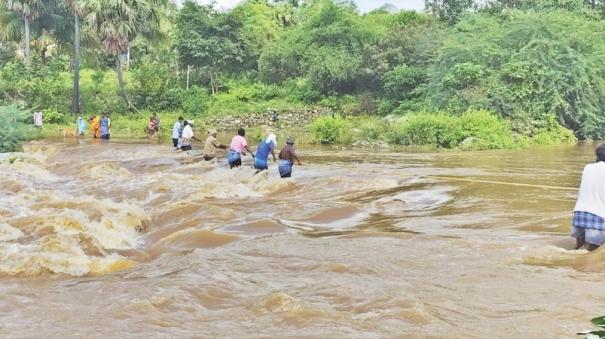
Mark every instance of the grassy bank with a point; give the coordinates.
(472, 130)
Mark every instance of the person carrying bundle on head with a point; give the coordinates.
(266, 147)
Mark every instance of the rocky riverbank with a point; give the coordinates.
(294, 118)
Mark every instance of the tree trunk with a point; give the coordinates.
(26, 41)
(122, 85)
(128, 57)
(188, 70)
(212, 82)
(75, 103)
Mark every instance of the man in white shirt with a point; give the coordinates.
(176, 132)
(589, 212)
(187, 136)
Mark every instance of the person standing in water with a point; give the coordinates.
(95, 124)
(287, 156)
(80, 125)
(262, 152)
(188, 135)
(589, 213)
(237, 148)
(211, 145)
(104, 127)
(176, 133)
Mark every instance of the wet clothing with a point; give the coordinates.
(591, 196)
(95, 126)
(176, 130)
(210, 147)
(589, 213)
(187, 136)
(262, 154)
(81, 125)
(287, 156)
(234, 159)
(589, 235)
(176, 134)
(104, 128)
(236, 148)
(285, 168)
(238, 144)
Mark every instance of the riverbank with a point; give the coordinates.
(472, 130)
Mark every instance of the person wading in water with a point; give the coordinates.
(237, 148)
(187, 136)
(176, 132)
(266, 147)
(211, 145)
(287, 155)
(589, 212)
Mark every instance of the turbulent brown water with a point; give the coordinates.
(357, 244)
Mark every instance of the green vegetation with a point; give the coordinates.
(472, 130)
(463, 73)
(15, 128)
(596, 334)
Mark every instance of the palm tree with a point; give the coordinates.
(28, 10)
(118, 22)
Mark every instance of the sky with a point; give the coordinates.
(364, 5)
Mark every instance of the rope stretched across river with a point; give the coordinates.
(500, 182)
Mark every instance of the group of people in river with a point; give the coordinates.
(100, 126)
(183, 137)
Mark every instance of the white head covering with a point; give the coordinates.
(272, 138)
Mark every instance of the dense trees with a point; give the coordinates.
(531, 62)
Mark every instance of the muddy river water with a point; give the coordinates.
(134, 240)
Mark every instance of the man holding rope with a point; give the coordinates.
(187, 136)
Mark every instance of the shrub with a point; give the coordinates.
(195, 101)
(372, 128)
(475, 129)
(51, 116)
(553, 133)
(329, 129)
(426, 129)
(14, 128)
(488, 131)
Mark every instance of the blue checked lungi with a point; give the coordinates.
(588, 227)
(233, 157)
(285, 168)
(588, 220)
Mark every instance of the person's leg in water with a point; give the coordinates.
(580, 234)
(236, 163)
(579, 243)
